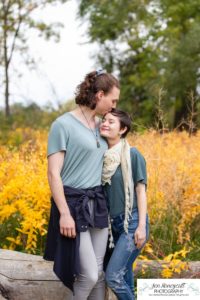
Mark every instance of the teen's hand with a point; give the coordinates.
(140, 236)
(67, 226)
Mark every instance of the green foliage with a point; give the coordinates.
(153, 44)
(31, 116)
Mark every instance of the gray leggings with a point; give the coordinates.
(90, 283)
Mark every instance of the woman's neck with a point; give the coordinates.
(89, 113)
(113, 142)
(83, 112)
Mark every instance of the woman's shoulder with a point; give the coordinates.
(61, 123)
(63, 118)
(135, 153)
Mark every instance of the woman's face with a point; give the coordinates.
(110, 127)
(106, 102)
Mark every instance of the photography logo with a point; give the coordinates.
(165, 289)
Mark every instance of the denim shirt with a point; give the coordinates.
(64, 251)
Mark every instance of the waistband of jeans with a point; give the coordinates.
(121, 216)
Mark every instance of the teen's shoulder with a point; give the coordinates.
(135, 151)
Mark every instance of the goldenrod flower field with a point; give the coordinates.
(173, 164)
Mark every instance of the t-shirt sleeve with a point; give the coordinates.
(57, 139)
(138, 167)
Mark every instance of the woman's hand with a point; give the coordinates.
(140, 236)
(67, 226)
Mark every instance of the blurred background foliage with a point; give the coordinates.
(150, 45)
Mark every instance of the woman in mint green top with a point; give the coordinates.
(125, 180)
(83, 161)
(75, 159)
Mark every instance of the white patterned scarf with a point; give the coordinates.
(113, 157)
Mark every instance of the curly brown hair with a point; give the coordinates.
(94, 82)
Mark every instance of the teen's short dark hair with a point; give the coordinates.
(124, 119)
(93, 82)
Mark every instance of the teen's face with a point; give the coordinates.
(106, 102)
(110, 127)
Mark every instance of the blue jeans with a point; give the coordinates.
(119, 272)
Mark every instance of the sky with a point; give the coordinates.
(60, 66)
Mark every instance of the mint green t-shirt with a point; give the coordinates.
(115, 191)
(83, 161)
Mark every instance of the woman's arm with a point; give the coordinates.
(140, 233)
(55, 163)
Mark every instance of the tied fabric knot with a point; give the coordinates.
(79, 200)
(90, 194)
(62, 250)
(82, 209)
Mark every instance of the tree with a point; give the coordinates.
(153, 44)
(15, 19)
